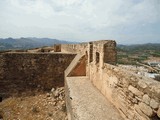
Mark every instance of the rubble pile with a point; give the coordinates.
(46, 106)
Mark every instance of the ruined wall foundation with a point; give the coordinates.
(136, 97)
(24, 72)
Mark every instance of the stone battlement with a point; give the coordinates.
(136, 97)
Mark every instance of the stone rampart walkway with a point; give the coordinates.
(87, 103)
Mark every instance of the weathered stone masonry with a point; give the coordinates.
(136, 97)
(22, 72)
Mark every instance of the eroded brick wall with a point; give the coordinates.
(22, 72)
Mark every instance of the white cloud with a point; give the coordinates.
(38, 7)
(78, 19)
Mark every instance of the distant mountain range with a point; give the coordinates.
(33, 42)
(28, 43)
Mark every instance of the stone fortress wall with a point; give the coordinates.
(74, 48)
(24, 72)
(135, 96)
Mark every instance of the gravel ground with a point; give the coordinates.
(46, 106)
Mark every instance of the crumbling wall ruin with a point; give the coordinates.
(74, 48)
(57, 48)
(23, 72)
(136, 97)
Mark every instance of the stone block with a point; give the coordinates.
(146, 109)
(146, 99)
(130, 95)
(154, 104)
(135, 91)
(134, 100)
(142, 84)
(158, 112)
(139, 99)
(130, 114)
(139, 114)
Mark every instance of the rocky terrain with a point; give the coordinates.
(41, 106)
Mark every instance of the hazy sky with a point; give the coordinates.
(126, 21)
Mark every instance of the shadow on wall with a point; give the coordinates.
(80, 68)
